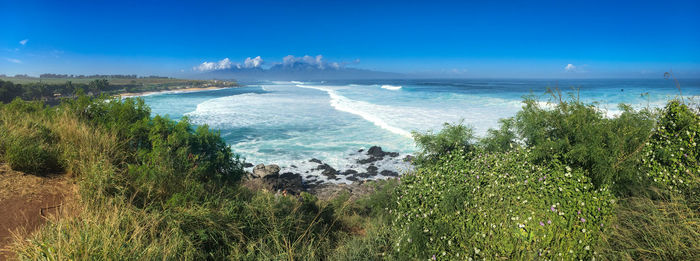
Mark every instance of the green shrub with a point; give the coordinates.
(178, 160)
(451, 137)
(672, 155)
(498, 206)
(582, 136)
(32, 150)
(501, 140)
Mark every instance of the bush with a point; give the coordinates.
(581, 136)
(498, 205)
(451, 137)
(503, 139)
(179, 161)
(672, 155)
(27, 144)
(32, 156)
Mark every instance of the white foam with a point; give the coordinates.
(391, 87)
(359, 108)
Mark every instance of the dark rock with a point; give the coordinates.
(352, 178)
(327, 170)
(389, 173)
(361, 150)
(392, 154)
(408, 158)
(349, 172)
(375, 151)
(363, 175)
(290, 182)
(293, 166)
(369, 160)
(315, 160)
(247, 165)
(372, 170)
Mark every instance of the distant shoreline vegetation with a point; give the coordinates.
(51, 88)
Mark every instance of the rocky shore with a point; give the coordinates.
(326, 181)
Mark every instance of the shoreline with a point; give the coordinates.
(191, 89)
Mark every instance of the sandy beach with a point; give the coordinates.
(193, 89)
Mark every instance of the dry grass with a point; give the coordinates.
(667, 228)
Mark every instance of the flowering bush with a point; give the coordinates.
(498, 205)
(672, 155)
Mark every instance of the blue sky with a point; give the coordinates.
(540, 39)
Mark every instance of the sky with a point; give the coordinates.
(471, 39)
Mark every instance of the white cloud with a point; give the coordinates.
(317, 61)
(24, 42)
(257, 62)
(253, 63)
(209, 66)
(13, 60)
(570, 68)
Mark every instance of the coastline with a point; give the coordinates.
(191, 89)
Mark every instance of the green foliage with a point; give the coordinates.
(503, 139)
(672, 155)
(62, 86)
(581, 135)
(499, 206)
(159, 189)
(179, 161)
(166, 161)
(28, 145)
(451, 137)
(33, 153)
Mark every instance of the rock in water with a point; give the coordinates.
(315, 160)
(349, 172)
(389, 173)
(376, 151)
(262, 171)
(328, 171)
(372, 170)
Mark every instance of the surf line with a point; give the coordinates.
(342, 103)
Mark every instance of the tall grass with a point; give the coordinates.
(155, 189)
(665, 228)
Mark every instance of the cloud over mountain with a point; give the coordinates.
(290, 68)
(227, 64)
(318, 62)
(210, 66)
(252, 63)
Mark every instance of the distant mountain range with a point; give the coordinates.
(297, 71)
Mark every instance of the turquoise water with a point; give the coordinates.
(288, 123)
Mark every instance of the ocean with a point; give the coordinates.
(288, 123)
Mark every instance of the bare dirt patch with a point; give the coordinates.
(28, 201)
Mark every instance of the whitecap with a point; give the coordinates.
(391, 87)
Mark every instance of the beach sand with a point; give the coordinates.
(193, 89)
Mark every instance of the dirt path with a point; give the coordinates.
(27, 201)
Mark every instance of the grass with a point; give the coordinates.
(664, 228)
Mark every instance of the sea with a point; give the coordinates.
(289, 122)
